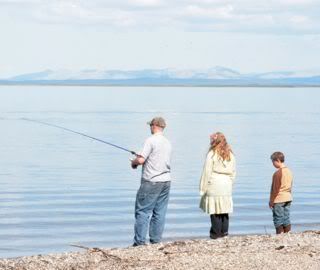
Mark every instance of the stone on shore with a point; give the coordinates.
(285, 251)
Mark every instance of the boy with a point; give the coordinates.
(280, 194)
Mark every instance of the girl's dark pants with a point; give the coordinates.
(219, 225)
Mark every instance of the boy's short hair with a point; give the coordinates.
(277, 156)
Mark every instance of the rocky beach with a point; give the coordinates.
(285, 251)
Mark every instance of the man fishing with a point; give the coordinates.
(153, 194)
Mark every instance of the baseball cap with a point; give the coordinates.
(158, 121)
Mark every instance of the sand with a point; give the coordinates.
(285, 251)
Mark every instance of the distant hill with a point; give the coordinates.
(216, 76)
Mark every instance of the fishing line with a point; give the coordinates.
(79, 133)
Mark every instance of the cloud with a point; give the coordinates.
(296, 2)
(299, 19)
(223, 12)
(148, 3)
(263, 16)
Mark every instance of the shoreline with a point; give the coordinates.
(288, 251)
(166, 85)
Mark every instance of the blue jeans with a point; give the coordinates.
(151, 207)
(281, 214)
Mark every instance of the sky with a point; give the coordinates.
(245, 35)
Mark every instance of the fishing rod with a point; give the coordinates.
(79, 133)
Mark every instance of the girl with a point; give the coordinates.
(216, 185)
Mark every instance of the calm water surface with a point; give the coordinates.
(59, 188)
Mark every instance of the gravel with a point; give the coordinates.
(285, 251)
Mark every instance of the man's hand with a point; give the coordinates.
(139, 160)
(133, 164)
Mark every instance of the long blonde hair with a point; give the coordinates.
(219, 145)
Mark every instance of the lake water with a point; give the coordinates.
(58, 188)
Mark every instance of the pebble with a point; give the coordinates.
(286, 251)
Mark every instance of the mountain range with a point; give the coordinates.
(215, 76)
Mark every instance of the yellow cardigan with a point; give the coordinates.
(216, 184)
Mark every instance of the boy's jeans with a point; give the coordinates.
(281, 214)
(151, 202)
